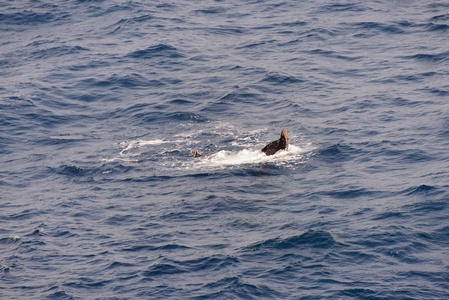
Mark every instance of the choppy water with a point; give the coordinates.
(103, 102)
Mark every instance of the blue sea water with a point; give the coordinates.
(103, 102)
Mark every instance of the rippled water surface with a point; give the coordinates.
(103, 102)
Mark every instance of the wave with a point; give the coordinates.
(422, 189)
(157, 117)
(210, 264)
(210, 10)
(57, 51)
(131, 81)
(275, 78)
(376, 26)
(27, 18)
(332, 54)
(9, 240)
(339, 7)
(156, 51)
(427, 57)
(315, 239)
(237, 288)
(336, 152)
(78, 173)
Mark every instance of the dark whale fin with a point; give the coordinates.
(275, 146)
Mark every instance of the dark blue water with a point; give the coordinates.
(103, 102)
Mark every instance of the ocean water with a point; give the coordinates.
(103, 102)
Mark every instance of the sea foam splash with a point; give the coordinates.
(131, 149)
(245, 156)
(133, 152)
(138, 144)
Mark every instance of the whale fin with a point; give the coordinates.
(275, 146)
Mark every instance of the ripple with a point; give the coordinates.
(26, 18)
(131, 81)
(336, 152)
(160, 50)
(422, 189)
(437, 27)
(340, 7)
(233, 286)
(162, 269)
(9, 240)
(427, 57)
(315, 239)
(210, 10)
(58, 51)
(275, 78)
(332, 54)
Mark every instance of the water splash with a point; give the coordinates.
(246, 156)
(132, 145)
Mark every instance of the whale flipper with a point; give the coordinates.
(275, 146)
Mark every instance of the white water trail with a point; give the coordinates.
(138, 144)
(132, 149)
(243, 157)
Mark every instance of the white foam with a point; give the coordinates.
(229, 158)
(138, 144)
(131, 150)
(119, 159)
